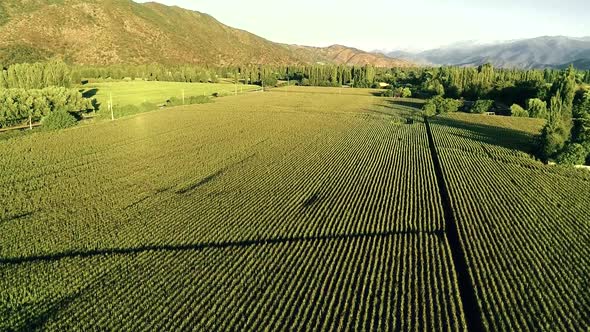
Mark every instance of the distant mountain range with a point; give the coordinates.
(103, 32)
(541, 52)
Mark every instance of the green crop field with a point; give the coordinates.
(524, 227)
(327, 91)
(138, 92)
(298, 208)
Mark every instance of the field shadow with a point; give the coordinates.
(381, 113)
(407, 103)
(37, 322)
(209, 178)
(399, 111)
(467, 291)
(499, 136)
(89, 93)
(17, 217)
(200, 183)
(209, 245)
(315, 198)
(52, 308)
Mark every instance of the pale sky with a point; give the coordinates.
(393, 24)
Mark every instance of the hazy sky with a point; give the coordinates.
(393, 24)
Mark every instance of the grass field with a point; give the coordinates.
(138, 92)
(304, 208)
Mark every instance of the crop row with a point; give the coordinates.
(270, 212)
(524, 229)
(369, 283)
(341, 176)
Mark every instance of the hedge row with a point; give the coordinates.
(17, 105)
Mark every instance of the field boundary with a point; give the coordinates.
(466, 289)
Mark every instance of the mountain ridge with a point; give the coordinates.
(104, 32)
(539, 52)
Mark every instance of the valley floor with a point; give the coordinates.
(298, 208)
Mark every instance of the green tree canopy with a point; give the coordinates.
(537, 108)
(517, 111)
(482, 106)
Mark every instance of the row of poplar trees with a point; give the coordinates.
(30, 92)
(566, 136)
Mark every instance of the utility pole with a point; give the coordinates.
(30, 122)
(111, 106)
(183, 96)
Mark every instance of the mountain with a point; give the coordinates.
(345, 55)
(541, 52)
(121, 31)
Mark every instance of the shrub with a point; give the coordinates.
(58, 120)
(445, 105)
(439, 105)
(270, 81)
(401, 92)
(188, 101)
(406, 93)
(126, 110)
(429, 108)
(573, 154)
(482, 106)
(551, 141)
(586, 146)
(387, 93)
(537, 108)
(517, 111)
(433, 88)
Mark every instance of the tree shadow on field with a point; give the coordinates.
(382, 113)
(208, 245)
(313, 199)
(89, 93)
(499, 136)
(417, 104)
(398, 111)
(38, 321)
(483, 133)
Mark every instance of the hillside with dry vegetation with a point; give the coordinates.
(106, 32)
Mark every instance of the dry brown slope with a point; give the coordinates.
(347, 55)
(122, 31)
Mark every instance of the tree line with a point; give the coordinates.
(31, 92)
(484, 82)
(566, 136)
(31, 105)
(554, 95)
(312, 75)
(36, 75)
(559, 97)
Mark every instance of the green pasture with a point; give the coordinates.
(139, 92)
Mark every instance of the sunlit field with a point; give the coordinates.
(302, 208)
